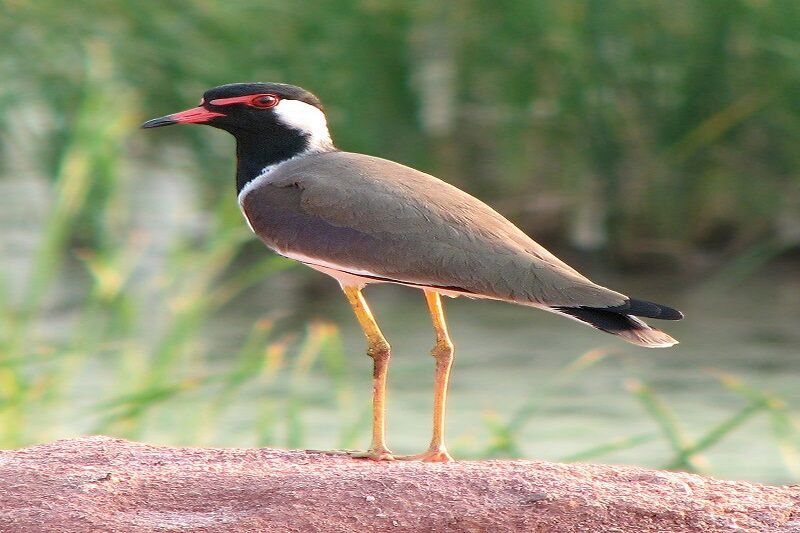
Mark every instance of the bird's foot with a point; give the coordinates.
(374, 454)
(432, 455)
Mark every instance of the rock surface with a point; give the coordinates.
(99, 484)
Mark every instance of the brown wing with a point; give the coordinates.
(371, 215)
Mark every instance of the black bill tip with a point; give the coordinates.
(160, 121)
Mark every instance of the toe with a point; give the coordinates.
(381, 454)
(436, 455)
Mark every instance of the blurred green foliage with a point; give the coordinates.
(655, 126)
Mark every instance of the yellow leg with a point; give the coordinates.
(443, 353)
(378, 349)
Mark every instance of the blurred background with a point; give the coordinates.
(652, 145)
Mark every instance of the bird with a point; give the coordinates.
(362, 220)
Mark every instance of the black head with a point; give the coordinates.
(272, 122)
(282, 90)
(246, 107)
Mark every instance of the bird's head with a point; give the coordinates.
(285, 115)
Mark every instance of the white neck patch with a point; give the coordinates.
(308, 119)
(300, 116)
(305, 118)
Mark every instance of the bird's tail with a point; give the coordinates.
(622, 321)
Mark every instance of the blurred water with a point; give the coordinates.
(506, 355)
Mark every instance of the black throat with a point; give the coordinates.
(256, 150)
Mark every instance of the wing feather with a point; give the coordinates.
(375, 215)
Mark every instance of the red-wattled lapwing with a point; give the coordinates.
(363, 219)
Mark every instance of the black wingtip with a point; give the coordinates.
(647, 309)
(625, 326)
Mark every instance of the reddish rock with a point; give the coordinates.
(100, 484)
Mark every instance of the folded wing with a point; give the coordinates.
(366, 214)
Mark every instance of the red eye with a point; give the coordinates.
(265, 100)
